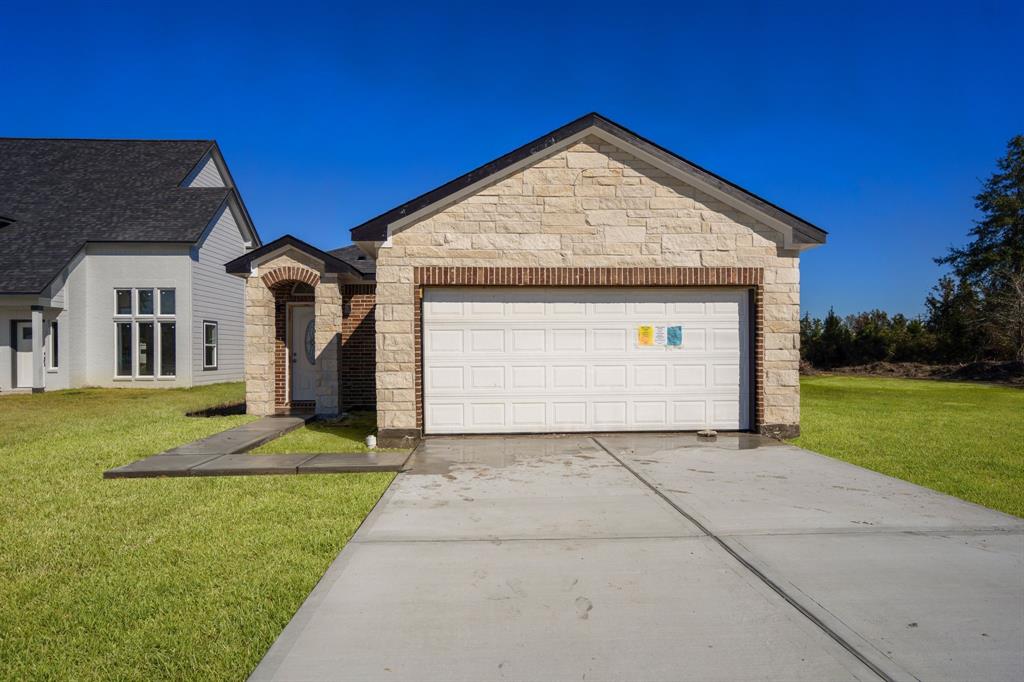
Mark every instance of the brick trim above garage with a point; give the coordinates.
(587, 277)
(592, 277)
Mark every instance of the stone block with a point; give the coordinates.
(586, 160)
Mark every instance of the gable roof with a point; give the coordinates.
(802, 233)
(243, 264)
(61, 194)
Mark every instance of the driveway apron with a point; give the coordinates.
(649, 557)
(924, 585)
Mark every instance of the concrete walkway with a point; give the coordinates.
(221, 455)
(660, 558)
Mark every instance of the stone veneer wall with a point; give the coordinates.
(589, 206)
(359, 347)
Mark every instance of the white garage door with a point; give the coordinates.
(534, 360)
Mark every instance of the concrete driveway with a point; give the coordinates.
(657, 557)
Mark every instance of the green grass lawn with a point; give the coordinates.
(347, 435)
(962, 439)
(147, 579)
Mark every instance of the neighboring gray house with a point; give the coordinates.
(112, 260)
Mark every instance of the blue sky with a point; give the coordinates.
(874, 121)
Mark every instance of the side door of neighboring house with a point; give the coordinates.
(23, 353)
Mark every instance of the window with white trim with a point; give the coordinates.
(209, 345)
(145, 333)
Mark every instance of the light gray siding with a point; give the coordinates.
(207, 175)
(218, 297)
(129, 266)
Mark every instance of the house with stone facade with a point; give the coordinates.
(589, 280)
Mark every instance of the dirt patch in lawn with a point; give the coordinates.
(1004, 373)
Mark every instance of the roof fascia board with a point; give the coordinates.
(255, 263)
(247, 264)
(22, 298)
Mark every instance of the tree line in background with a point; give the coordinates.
(974, 313)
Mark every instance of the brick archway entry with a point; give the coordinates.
(290, 273)
(268, 296)
(286, 292)
(289, 284)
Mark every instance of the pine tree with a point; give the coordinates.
(991, 266)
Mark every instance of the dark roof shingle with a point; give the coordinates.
(355, 257)
(64, 193)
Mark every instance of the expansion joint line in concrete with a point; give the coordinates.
(775, 587)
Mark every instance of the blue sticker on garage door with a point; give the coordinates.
(675, 336)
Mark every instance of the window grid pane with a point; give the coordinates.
(167, 301)
(145, 349)
(168, 356)
(145, 302)
(124, 301)
(124, 349)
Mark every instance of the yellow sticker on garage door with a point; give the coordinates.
(645, 335)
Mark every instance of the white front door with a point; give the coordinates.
(302, 350)
(605, 359)
(23, 351)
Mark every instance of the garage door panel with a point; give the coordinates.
(610, 309)
(609, 340)
(725, 411)
(609, 377)
(440, 341)
(609, 414)
(689, 376)
(569, 414)
(488, 414)
(568, 377)
(443, 415)
(532, 415)
(725, 376)
(529, 377)
(569, 309)
(694, 340)
(486, 377)
(692, 413)
(724, 339)
(569, 340)
(649, 308)
(529, 309)
(486, 340)
(528, 341)
(484, 309)
(443, 378)
(650, 376)
(650, 412)
(528, 360)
